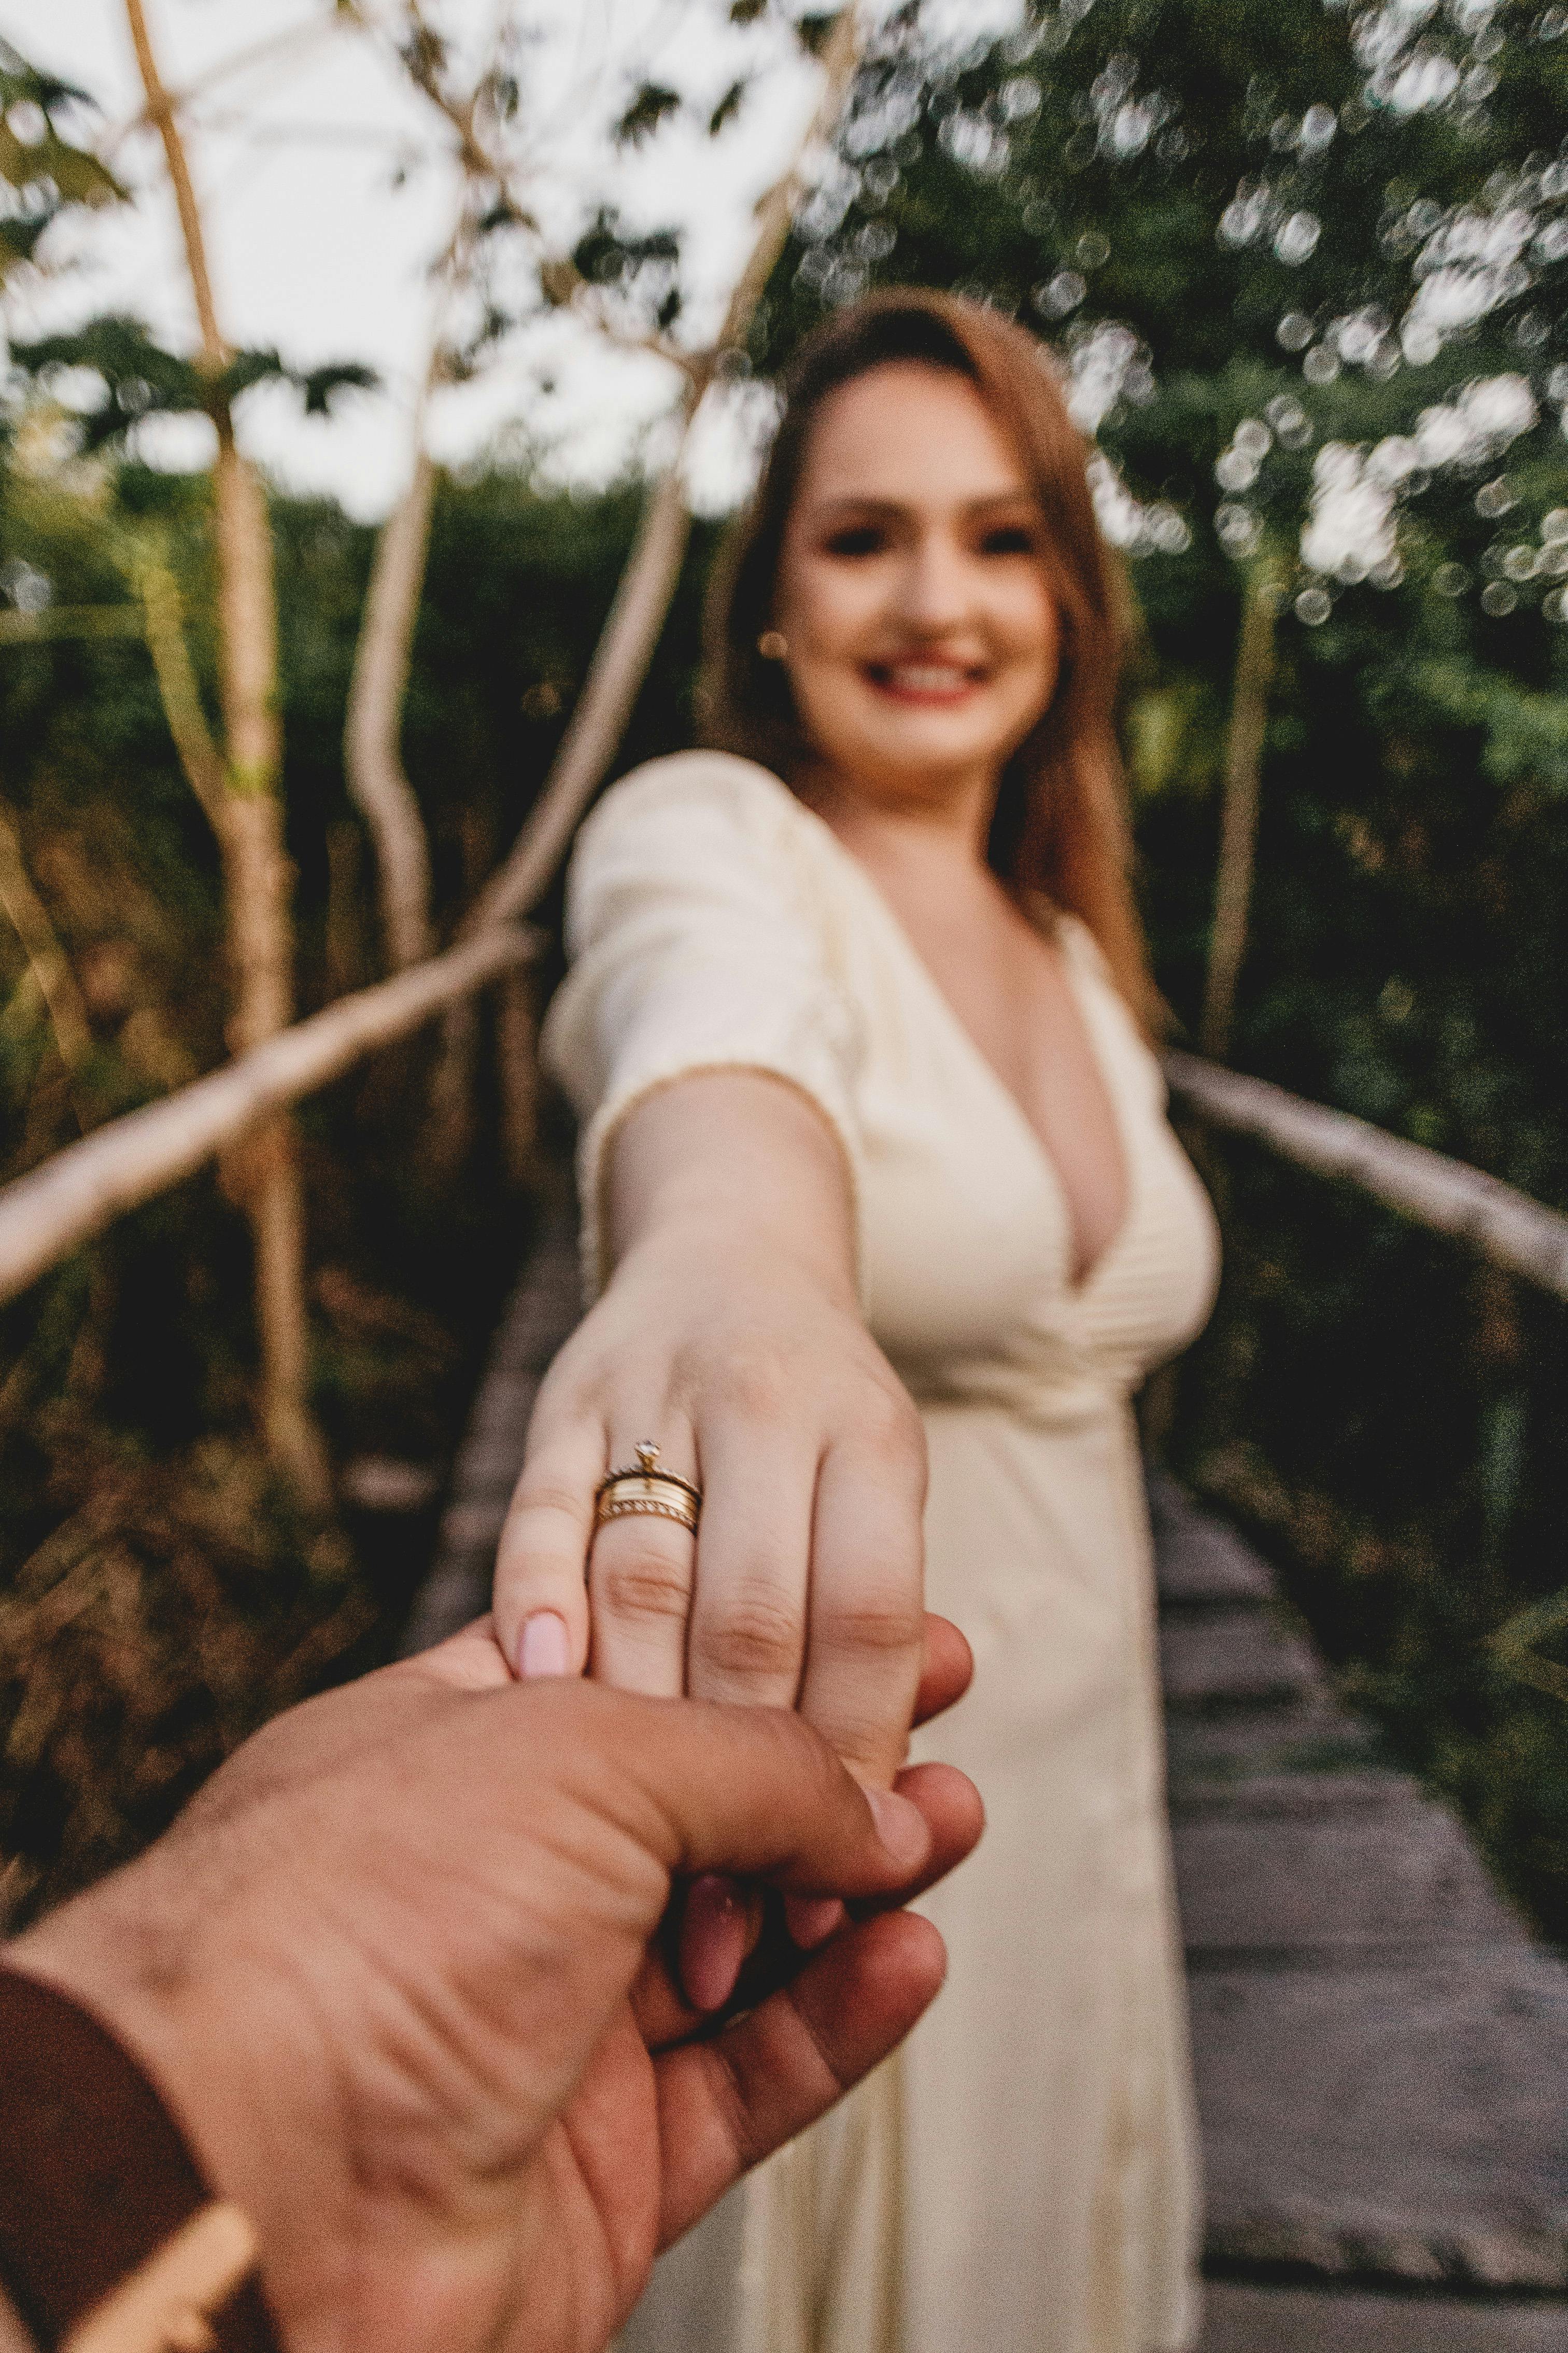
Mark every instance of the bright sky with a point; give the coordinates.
(326, 196)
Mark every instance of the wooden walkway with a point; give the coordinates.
(1382, 2052)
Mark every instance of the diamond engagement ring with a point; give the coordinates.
(645, 1488)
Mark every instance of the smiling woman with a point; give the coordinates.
(886, 1221)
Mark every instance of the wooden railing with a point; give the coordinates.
(1445, 1196)
(76, 1193)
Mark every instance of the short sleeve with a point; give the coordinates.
(699, 940)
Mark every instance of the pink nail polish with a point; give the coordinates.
(544, 1647)
(713, 1941)
(812, 1919)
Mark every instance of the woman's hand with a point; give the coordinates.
(730, 1335)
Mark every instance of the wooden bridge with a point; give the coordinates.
(1382, 2052)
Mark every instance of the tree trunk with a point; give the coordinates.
(249, 825)
(1238, 820)
(47, 965)
(598, 722)
(376, 780)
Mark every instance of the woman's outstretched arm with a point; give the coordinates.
(730, 1334)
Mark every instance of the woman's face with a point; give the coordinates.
(911, 591)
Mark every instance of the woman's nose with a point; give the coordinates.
(934, 586)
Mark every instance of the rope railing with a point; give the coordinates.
(79, 1191)
(1442, 1194)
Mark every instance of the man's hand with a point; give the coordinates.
(392, 1971)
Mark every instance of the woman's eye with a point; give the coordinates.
(856, 539)
(1008, 539)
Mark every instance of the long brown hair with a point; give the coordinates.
(1060, 828)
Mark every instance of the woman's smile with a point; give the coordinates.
(925, 681)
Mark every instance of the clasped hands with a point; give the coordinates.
(397, 1972)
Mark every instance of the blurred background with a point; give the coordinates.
(460, 293)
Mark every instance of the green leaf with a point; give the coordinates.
(609, 255)
(320, 387)
(50, 172)
(139, 376)
(650, 107)
(18, 239)
(729, 106)
(815, 32)
(248, 368)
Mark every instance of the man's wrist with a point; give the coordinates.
(104, 2209)
(224, 2031)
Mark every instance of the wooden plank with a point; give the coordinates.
(1328, 1867)
(1380, 2051)
(1198, 1561)
(539, 1315)
(1234, 1658)
(1404, 2122)
(1309, 1734)
(1238, 2318)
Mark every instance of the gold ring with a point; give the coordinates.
(661, 1495)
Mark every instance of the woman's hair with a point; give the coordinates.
(1060, 826)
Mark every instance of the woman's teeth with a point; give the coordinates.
(926, 678)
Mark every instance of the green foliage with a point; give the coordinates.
(43, 170)
(729, 106)
(138, 378)
(650, 105)
(815, 29)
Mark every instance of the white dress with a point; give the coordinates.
(1022, 2176)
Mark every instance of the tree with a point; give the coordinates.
(1304, 270)
(237, 783)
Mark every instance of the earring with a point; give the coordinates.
(774, 645)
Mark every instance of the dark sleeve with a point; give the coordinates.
(95, 2175)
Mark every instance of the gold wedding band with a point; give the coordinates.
(647, 1489)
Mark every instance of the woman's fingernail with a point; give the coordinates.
(713, 1941)
(812, 1919)
(900, 1825)
(544, 1647)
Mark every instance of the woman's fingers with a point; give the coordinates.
(950, 1806)
(947, 1669)
(866, 1637)
(725, 2104)
(541, 1606)
(748, 1633)
(641, 1572)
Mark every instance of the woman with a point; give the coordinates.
(856, 1023)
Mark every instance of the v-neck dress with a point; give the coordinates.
(1021, 2177)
